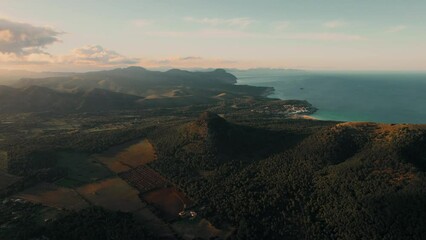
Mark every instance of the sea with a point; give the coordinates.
(387, 97)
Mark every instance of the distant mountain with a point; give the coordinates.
(135, 81)
(9, 77)
(173, 88)
(42, 99)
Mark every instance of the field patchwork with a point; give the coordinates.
(51, 195)
(127, 156)
(113, 194)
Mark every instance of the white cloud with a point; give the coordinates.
(334, 24)
(97, 55)
(31, 58)
(93, 55)
(228, 22)
(25, 39)
(395, 29)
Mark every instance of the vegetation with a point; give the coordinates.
(342, 182)
(249, 171)
(91, 224)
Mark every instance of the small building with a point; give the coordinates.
(183, 214)
(193, 214)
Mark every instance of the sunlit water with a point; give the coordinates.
(376, 97)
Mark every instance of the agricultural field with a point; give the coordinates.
(81, 169)
(200, 229)
(126, 156)
(7, 179)
(153, 223)
(51, 195)
(113, 194)
(144, 179)
(168, 201)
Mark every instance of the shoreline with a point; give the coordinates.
(270, 90)
(303, 116)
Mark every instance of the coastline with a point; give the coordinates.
(303, 116)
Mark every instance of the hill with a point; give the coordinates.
(141, 82)
(42, 99)
(170, 89)
(336, 181)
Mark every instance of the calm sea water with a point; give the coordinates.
(376, 97)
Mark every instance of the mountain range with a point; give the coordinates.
(123, 88)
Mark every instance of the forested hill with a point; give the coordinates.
(329, 181)
(123, 89)
(142, 82)
(43, 99)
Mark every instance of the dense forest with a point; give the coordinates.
(88, 224)
(346, 181)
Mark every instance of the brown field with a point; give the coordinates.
(153, 224)
(7, 179)
(144, 179)
(124, 157)
(168, 201)
(113, 194)
(199, 229)
(53, 196)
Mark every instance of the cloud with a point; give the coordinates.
(228, 22)
(395, 29)
(97, 55)
(334, 24)
(25, 39)
(32, 58)
(189, 58)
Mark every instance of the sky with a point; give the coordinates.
(80, 35)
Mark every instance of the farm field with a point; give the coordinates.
(199, 229)
(168, 201)
(144, 179)
(126, 156)
(113, 194)
(153, 223)
(81, 169)
(51, 195)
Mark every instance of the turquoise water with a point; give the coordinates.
(375, 97)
